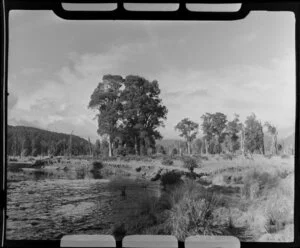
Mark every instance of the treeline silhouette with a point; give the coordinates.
(30, 141)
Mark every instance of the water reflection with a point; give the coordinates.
(41, 174)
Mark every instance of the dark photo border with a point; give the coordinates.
(120, 13)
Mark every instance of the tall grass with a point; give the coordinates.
(192, 211)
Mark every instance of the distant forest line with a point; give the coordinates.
(129, 115)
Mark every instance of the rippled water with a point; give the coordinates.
(48, 204)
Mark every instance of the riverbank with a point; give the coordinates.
(68, 196)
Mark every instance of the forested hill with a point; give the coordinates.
(30, 141)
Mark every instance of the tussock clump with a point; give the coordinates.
(278, 212)
(170, 178)
(190, 163)
(97, 165)
(227, 178)
(238, 179)
(192, 213)
(256, 183)
(119, 231)
(40, 163)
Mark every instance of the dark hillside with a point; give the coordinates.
(30, 141)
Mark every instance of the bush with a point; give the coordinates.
(119, 231)
(40, 163)
(170, 178)
(97, 165)
(25, 152)
(189, 163)
(13, 160)
(167, 161)
(278, 212)
(204, 158)
(238, 179)
(174, 152)
(121, 151)
(227, 178)
(193, 214)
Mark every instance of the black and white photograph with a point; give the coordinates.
(151, 127)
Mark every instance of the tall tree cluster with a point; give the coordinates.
(222, 135)
(129, 113)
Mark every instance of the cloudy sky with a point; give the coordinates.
(232, 67)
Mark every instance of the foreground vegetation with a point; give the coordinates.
(253, 201)
(251, 198)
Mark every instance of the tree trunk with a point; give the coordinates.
(206, 146)
(275, 144)
(142, 146)
(90, 147)
(242, 142)
(135, 146)
(109, 147)
(189, 147)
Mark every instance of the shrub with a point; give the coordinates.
(25, 152)
(170, 178)
(35, 152)
(238, 179)
(13, 160)
(39, 163)
(121, 151)
(193, 214)
(160, 149)
(204, 158)
(278, 212)
(167, 161)
(227, 178)
(97, 165)
(190, 163)
(119, 231)
(174, 152)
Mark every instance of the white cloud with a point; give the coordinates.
(60, 104)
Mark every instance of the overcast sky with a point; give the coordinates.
(231, 67)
